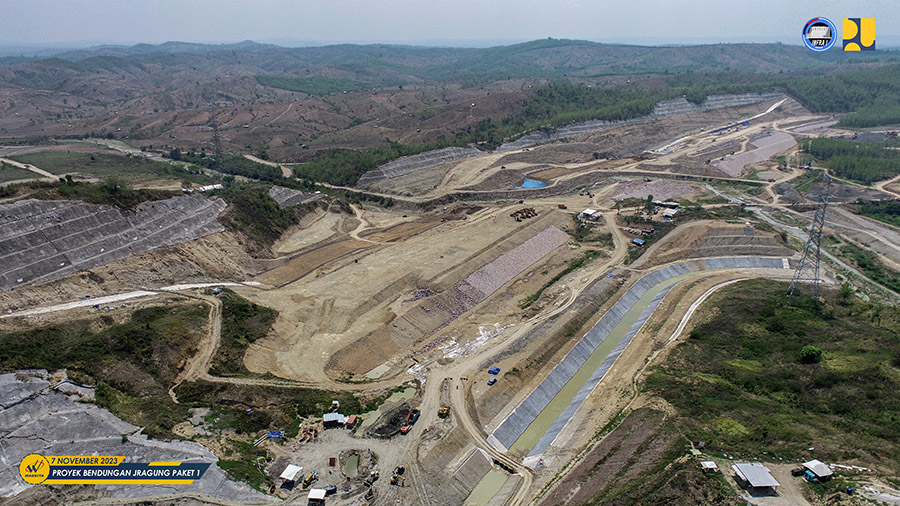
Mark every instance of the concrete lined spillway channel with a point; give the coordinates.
(533, 425)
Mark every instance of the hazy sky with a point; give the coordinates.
(471, 22)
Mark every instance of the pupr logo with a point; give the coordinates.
(859, 34)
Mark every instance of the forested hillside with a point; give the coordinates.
(863, 162)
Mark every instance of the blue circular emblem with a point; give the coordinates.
(819, 34)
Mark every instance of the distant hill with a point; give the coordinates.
(171, 47)
(292, 103)
(145, 67)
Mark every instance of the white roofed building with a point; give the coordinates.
(822, 471)
(755, 475)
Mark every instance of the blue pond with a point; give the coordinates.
(530, 183)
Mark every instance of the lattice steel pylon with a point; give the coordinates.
(218, 161)
(807, 270)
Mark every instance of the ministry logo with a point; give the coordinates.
(859, 34)
(819, 34)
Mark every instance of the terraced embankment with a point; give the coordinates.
(45, 240)
(436, 311)
(409, 164)
(287, 197)
(664, 109)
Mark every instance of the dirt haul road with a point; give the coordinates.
(459, 390)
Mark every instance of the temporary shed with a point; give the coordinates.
(755, 475)
(591, 214)
(351, 421)
(709, 466)
(290, 472)
(820, 470)
(639, 242)
(330, 420)
(316, 496)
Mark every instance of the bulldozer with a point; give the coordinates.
(444, 412)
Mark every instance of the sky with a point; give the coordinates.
(82, 23)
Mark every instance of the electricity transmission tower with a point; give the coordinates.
(218, 157)
(807, 270)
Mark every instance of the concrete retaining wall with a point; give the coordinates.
(523, 415)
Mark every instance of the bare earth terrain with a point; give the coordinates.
(414, 303)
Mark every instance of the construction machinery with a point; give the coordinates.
(523, 214)
(310, 478)
(411, 420)
(444, 412)
(372, 478)
(397, 478)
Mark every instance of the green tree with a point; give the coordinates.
(810, 354)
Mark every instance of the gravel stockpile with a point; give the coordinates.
(287, 197)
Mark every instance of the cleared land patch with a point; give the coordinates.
(12, 173)
(434, 312)
(763, 148)
(133, 170)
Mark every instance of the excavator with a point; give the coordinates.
(397, 478)
(444, 412)
(411, 419)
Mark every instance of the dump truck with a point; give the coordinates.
(444, 412)
(310, 478)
